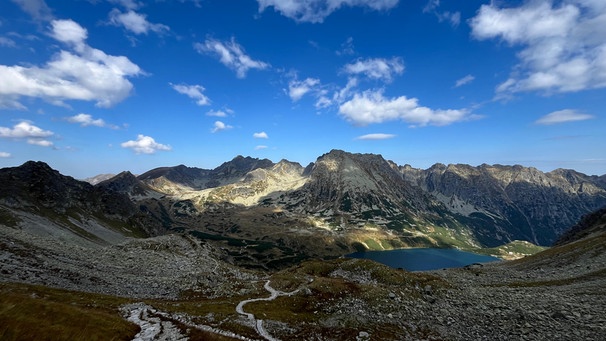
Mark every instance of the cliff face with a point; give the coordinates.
(525, 203)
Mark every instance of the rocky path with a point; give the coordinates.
(152, 326)
(157, 325)
(258, 323)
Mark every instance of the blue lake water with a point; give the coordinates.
(424, 259)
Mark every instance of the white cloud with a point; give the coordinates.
(145, 145)
(261, 135)
(69, 32)
(315, 11)
(563, 116)
(260, 147)
(220, 113)
(372, 107)
(135, 22)
(26, 130)
(453, 17)
(465, 80)
(232, 55)
(297, 89)
(376, 68)
(220, 126)
(347, 48)
(85, 74)
(86, 120)
(339, 96)
(378, 136)
(5, 154)
(40, 142)
(193, 92)
(7, 42)
(38, 9)
(563, 44)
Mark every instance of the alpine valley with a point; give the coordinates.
(254, 250)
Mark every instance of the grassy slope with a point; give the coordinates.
(29, 312)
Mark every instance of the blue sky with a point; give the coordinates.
(102, 86)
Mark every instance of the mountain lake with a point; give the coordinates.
(424, 259)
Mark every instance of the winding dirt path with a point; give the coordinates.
(156, 325)
(258, 323)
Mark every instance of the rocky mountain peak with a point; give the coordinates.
(360, 184)
(241, 165)
(36, 182)
(126, 183)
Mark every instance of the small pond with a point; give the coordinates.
(424, 259)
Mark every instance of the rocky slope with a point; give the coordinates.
(590, 224)
(173, 179)
(36, 197)
(512, 202)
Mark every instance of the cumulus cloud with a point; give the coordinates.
(69, 32)
(192, 91)
(5, 155)
(465, 80)
(135, 22)
(220, 126)
(86, 120)
(84, 73)
(563, 116)
(261, 135)
(376, 68)
(315, 11)
(563, 43)
(372, 107)
(25, 130)
(297, 89)
(145, 145)
(378, 136)
(232, 55)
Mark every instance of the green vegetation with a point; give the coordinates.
(513, 250)
(29, 312)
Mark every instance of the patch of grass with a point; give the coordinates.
(29, 312)
(373, 244)
(514, 248)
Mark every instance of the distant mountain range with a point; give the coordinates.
(340, 203)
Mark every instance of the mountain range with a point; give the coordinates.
(340, 203)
